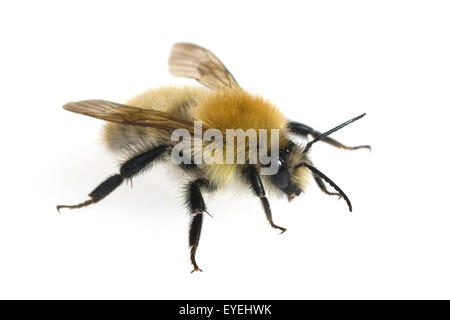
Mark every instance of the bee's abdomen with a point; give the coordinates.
(178, 101)
(123, 138)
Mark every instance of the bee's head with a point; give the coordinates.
(290, 178)
(293, 167)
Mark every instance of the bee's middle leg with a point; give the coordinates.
(129, 169)
(197, 207)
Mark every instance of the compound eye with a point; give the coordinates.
(281, 178)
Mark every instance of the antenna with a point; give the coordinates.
(334, 185)
(323, 135)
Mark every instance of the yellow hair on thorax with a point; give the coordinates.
(237, 109)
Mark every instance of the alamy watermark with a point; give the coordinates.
(241, 146)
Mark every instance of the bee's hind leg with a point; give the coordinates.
(103, 189)
(304, 130)
(196, 206)
(129, 169)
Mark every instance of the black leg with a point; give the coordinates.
(129, 169)
(304, 130)
(194, 237)
(196, 206)
(258, 188)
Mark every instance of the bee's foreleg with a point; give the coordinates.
(304, 130)
(196, 205)
(258, 188)
(129, 169)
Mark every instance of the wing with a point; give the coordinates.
(191, 61)
(120, 113)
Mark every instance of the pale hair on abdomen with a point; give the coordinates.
(178, 101)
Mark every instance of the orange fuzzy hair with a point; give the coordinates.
(237, 109)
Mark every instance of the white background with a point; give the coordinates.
(320, 62)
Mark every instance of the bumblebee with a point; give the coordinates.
(142, 128)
